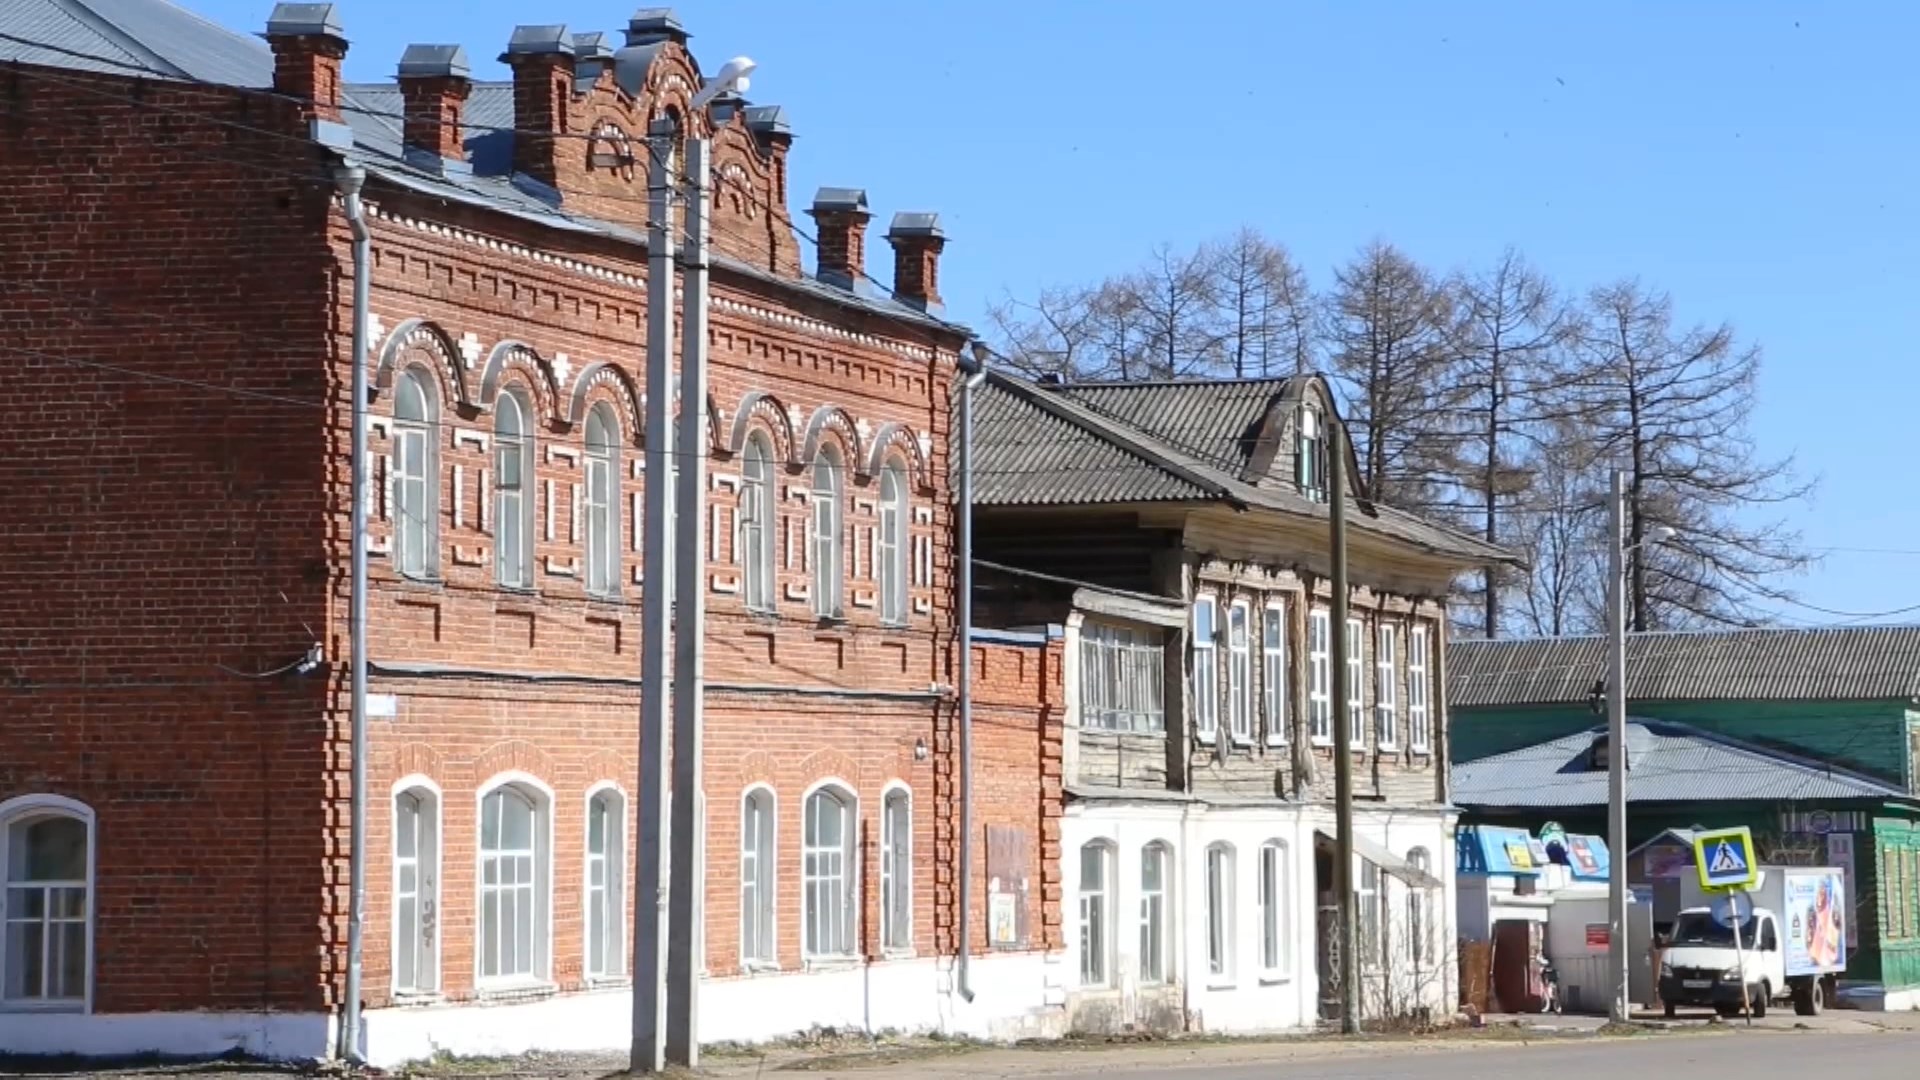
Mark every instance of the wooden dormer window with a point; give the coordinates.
(1310, 454)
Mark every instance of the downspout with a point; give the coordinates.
(972, 373)
(349, 179)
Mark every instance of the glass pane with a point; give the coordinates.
(523, 933)
(69, 967)
(516, 823)
(1203, 622)
(490, 872)
(55, 849)
(1150, 871)
(597, 933)
(26, 960)
(490, 932)
(409, 878)
(830, 821)
(26, 903)
(406, 827)
(597, 826)
(406, 944)
(410, 399)
(1093, 868)
(69, 903)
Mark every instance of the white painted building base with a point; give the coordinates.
(1011, 1000)
(270, 1036)
(1872, 997)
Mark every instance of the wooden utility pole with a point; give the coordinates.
(1347, 945)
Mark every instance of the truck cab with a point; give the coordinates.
(1702, 967)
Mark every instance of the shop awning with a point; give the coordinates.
(1392, 864)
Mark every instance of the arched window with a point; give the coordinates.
(606, 878)
(756, 877)
(896, 870)
(46, 851)
(416, 890)
(1096, 913)
(1156, 874)
(1419, 947)
(890, 560)
(511, 945)
(827, 874)
(512, 506)
(1220, 944)
(828, 561)
(416, 476)
(756, 523)
(1310, 455)
(602, 501)
(1276, 945)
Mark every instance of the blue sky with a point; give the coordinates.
(1758, 160)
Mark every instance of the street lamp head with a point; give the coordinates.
(1659, 534)
(731, 78)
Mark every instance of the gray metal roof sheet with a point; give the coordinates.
(1667, 763)
(130, 37)
(1858, 663)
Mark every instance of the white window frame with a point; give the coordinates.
(1220, 912)
(1320, 675)
(827, 533)
(1156, 915)
(427, 863)
(1310, 457)
(1205, 680)
(759, 872)
(540, 970)
(513, 502)
(1240, 672)
(600, 525)
(896, 871)
(1356, 685)
(1094, 914)
(758, 520)
(818, 883)
(416, 491)
(1273, 672)
(1276, 910)
(20, 809)
(1419, 688)
(1386, 710)
(1122, 678)
(611, 894)
(1369, 905)
(1419, 912)
(894, 546)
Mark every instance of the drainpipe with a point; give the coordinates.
(972, 373)
(349, 179)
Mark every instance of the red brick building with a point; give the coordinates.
(175, 326)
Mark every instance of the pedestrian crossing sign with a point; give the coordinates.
(1725, 858)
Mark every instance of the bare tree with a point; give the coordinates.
(1389, 340)
(1176, 301)
(1056, 333)
(1561, 528)
(1510, 344)
(1265, 307)
(1671, 407)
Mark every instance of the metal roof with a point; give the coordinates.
(1856, 663)
(1039, 444)
(1667, 762)
(129, 37)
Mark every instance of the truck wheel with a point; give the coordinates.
(1809, 997)
(1759, 1001)
(1669, 1010)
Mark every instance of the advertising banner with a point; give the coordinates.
(1816, 920)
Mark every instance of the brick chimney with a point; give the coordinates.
(434, 83)
(650, 25)
(917, 242)
(542, 61)
(770, 127)
(307, 49)
(592, 57)
(841, 217)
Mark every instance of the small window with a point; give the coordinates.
(890, 563)
(512, 938)
(1206, 670)
(896, 871)
(1273, 673)
(1418, 726)
(1356, 684)
(416, 479)
(756, 877)
(1320, 675)
(1419, 946)
(606, 879)
(1096, 914)
(1220, 911)
(1386, 715)
(1310, 455)
(757, 524)
(1369, 905)
(45, 950)
(1239, 672)
(829, 562)
(602, 501)
(1122, 672)
(1276, 944)
(827, 880)
(512, 502)
(1156, 871)
(416, 893)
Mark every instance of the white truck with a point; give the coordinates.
(1792, 938)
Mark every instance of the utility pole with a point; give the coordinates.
(1348, 940)
(648, 1052)
(1617, 747)
(688, 881)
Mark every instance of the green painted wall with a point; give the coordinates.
(1898, 962)
(1871, 736)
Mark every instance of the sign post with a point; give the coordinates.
(1727, 866)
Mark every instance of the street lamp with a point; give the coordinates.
(1617, 552)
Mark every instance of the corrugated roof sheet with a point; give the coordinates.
(125, 37)
(1109, 443)
(1813, 664)
(1667, 762)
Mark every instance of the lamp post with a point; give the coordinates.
(1617, 552)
